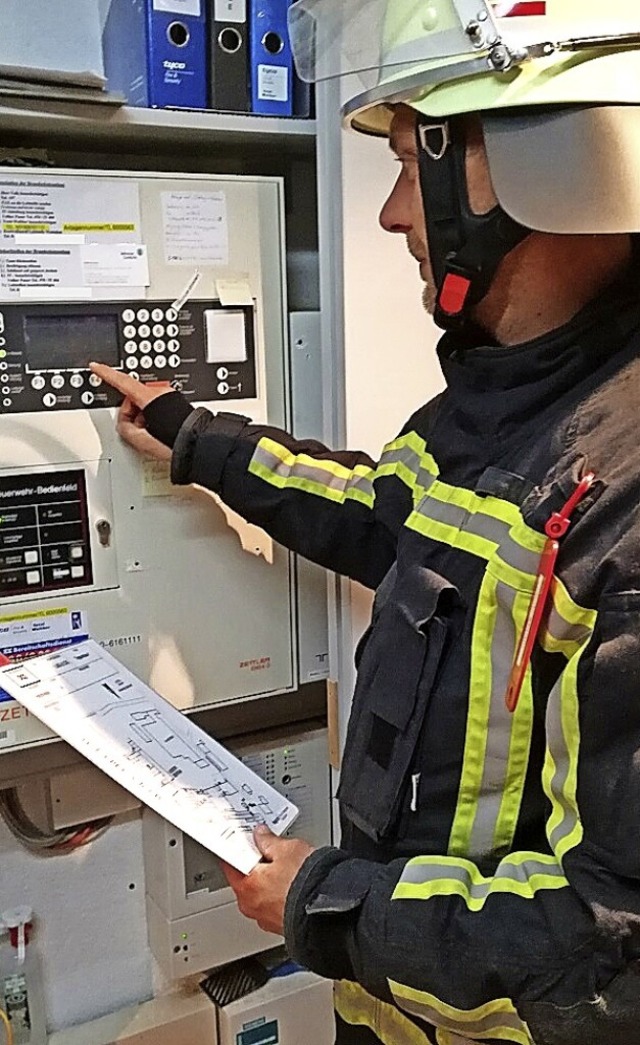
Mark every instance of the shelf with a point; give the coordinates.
(66, 122)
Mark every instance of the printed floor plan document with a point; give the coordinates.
(140, 740)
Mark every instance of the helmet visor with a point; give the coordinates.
(332, 38)
(380, 41)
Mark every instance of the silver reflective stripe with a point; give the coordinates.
(499, 730)
(569, 820)
(421, 872)
(307, 472)
(563, 631)
(485, 526)
(493, 1020)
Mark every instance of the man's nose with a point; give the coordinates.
(394, 216)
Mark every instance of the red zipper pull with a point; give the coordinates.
(555, 528)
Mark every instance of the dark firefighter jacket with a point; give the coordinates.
(488, 883)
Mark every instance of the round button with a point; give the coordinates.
(76, 380)
(145, 346)
(134, 377)
(49, 399)
(157, 315)
(128, 315)
(144, 330)
(6, 402)
(223, 388)
(171, 315)
(87, 398)
(129, 331)
(158, 330)
(129, 347)
(177, 386)
(4, 366)
(6, 390)
(146, 362)
(172, 330)
(57, 381)
(95, 381)
(159, 345)
(38, 382)
(143, 315)
(173, 345)
(174, 361)
(161, 362)
(222, 373)
(3, 351)
(131, 363)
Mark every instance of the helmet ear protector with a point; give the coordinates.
(465, 248)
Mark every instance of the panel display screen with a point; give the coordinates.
(71, 342)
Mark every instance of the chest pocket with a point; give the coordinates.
(399, 660)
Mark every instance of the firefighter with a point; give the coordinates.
(487, 885)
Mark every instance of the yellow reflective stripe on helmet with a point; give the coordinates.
(358, 1008)
(497, 1019)
(519, 874)
(560, 773)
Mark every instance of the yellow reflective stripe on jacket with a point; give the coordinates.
(520, 874)
(567, 625)
(519, 746)
(279, 467)
(358, 1008)
(497, 742)
(496, 1019)
(405, 458)
(560, 774)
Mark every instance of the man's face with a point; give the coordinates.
(403, 211)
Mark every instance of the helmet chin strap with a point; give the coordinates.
(465, 248)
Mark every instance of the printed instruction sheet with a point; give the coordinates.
(143, 743)
(70, 238)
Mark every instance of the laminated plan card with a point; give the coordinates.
(148, 747)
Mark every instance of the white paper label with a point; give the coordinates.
(195, 228)
(178, 7)
(230, 10)
(273, 83)
(45, 223)
(115, 265)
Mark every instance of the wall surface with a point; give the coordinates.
(92, 934)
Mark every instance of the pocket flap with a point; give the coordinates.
(413, 629)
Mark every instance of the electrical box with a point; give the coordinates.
(287, 1011)
(178, 280)
(194, 922)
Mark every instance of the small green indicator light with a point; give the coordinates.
(184, 936)
(3, 353)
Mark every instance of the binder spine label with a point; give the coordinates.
(230, 10)
(273, 83)
(179, 7)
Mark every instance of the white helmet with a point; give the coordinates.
(557, 82)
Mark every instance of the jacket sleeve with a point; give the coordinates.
(339, 509)
(546, 949)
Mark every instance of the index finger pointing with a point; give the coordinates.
(131, 389)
